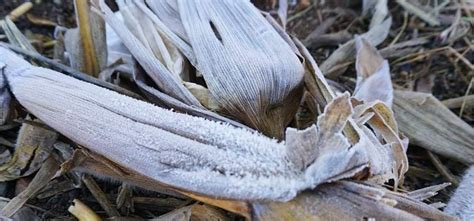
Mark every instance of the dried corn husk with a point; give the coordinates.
(250, 70)
(186, 152)
(145, 30)
(374, 87)
(387, 159)
(167, 81)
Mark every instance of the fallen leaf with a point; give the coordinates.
(430, 124)
(373, 74)
(44, 175)
(33, 147)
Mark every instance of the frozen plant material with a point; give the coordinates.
(168, 82)
(182, 151)
(145, 30)
(461, 203)
(250, 69)
(5, 97)
(387, 150)
(373, 74)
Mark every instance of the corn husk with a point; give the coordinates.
(136, 43)
(186, 152)
(388, 157)
(250, 70)
(374, 87)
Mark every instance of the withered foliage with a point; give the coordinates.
(216, 106)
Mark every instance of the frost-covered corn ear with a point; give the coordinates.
(461, 203)
(248, 67)
(161, 60)
(186, 152)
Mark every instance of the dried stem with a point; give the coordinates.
(82, 212)
(91, 60)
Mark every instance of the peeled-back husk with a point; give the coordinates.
(250, 70)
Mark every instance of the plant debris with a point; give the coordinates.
(216, 110)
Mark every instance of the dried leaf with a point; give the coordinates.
(425, 16)
(427, 192)
(376, 35)
(324, 150)
(15, 36)
(33, 147)
(194, 212)
(165, 80)
(458, 102)
(429, 124)
(204, 213)
(182, 214)
(346, 201)
(373, 74)
(379, 11)
(385, 162)
(283, 12)
(167, 11)
(259, 78)
(144, 29)
(44, 175)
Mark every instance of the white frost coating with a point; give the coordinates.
(167, 12)
(461, 203)
(4, 97)
(183, 151)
